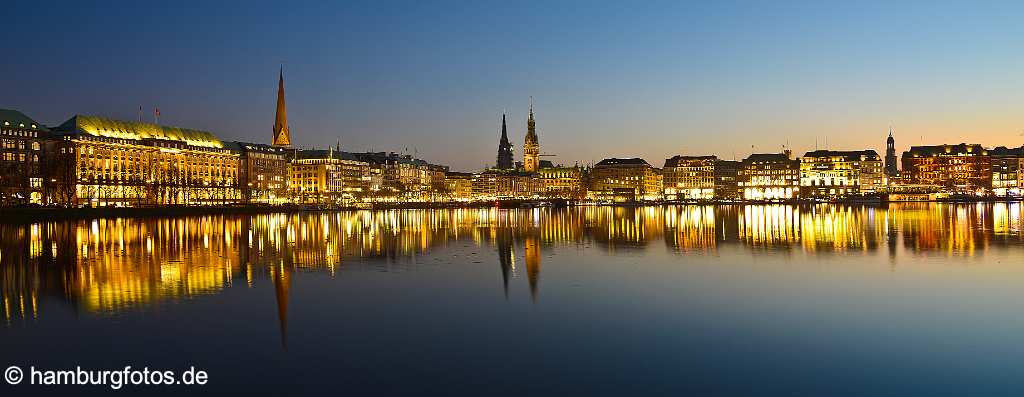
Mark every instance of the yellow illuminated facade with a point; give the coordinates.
(459, 186)
(264, 173)
(689, 177)
(100, 162)
(1006, 175)
(506, 185)
(563, 182)
(620, 180)
(107, 266)
(327, 177)
(769, 177)
(829, 174)
(962, 168)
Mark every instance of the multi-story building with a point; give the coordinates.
(689, 177)
(104, 162)
(562, 182)
(263, 172)
(769, 176)
(459, 186)
(496, 184)
(625, 180)
(837, 174)
(726, 172)
(328, 177)
(1006, 163)
(403, 176)
(963, 168)
(21, 154)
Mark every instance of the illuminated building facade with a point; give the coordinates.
(403, 177)
(502, 184)
(531, 147)
(104, 162)
(963, 168)
(263, 172)
(1006, 178)
(327, 177)
(769, 176)
(459, 186)
(689, 177)
(837, 174)
(563, 182)
(627, 179)
(21, 156)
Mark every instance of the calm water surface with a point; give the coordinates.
(912, 298)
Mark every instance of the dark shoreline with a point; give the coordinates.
(34, 214)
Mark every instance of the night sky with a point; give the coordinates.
(608, 78)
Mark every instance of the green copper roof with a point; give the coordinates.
(99, 126)
(16, 119)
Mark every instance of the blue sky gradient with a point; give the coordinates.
(609, 78)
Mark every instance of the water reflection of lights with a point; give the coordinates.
(117, 264)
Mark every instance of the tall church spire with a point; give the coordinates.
(282, 135)
(891, 168)
(531, 148)
(504, 148)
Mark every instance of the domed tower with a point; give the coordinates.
(531, 148)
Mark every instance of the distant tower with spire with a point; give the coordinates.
(504, 149)
(531, 148)
(890, 156)
(282, 135)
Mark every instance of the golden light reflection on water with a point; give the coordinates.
(111, 265)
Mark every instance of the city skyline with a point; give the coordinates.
(841, 74)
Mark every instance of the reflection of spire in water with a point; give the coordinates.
(112, 265)
(282, 283)
(532, 253)
(504, 240)
(890, 235)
